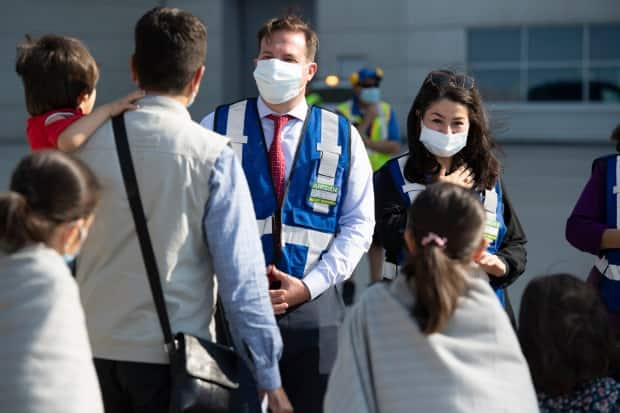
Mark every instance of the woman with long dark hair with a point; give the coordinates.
(436, 339)
(45, 355)
(450, 141)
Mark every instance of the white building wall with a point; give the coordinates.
(408, 38)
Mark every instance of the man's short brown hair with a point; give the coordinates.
(291, 23)
(55, 71)
(170, 46)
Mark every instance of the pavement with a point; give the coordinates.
(543, 182)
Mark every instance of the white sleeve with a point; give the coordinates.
(207, 121)
(357, 223)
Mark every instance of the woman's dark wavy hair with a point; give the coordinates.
(478, 154)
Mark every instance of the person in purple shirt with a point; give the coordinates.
(589, 229)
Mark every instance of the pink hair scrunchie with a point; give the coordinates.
(431, 237)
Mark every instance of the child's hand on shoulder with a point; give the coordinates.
(126, 103)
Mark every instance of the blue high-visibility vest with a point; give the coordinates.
(491, 199)
(315, 190)
(609, 263)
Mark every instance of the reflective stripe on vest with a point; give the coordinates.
(316, 242)
(330, 154)
(323, 157)
(389, 270)
(234, 128)
(265, 226)
(411, 189)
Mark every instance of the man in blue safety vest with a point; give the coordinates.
(311, 186)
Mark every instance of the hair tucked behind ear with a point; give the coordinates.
(446, 224)
(48, 188)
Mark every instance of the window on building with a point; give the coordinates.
(569, 63)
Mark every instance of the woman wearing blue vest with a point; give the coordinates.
(450, 141)
(593, 227)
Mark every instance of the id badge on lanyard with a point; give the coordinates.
(491, 225)
(491, 229)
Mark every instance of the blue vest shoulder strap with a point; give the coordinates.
(612, 193)
(408, 190)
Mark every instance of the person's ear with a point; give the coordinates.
(83, 98)
(70, 236)
(484, 244)
(134, 73)
(410, 242)
(312, 69)
(197, 79)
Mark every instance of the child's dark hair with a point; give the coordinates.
(564, 333)
(48, 188)
(55, 71)
(170, 46)
(446, 224)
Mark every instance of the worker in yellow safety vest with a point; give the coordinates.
(377, 125)
(374, 118)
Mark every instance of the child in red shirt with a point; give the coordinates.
(60, 77)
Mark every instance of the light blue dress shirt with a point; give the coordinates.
(231, 234)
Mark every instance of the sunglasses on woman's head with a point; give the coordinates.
(442, 79)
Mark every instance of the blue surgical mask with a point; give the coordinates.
(370, 95)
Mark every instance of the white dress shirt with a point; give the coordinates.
(357, 219)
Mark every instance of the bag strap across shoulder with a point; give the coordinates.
(137, 211)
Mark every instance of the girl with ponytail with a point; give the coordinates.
(436, 339)
(45, 354)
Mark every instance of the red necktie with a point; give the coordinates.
(278, 171)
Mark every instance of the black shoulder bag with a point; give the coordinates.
(204, 374)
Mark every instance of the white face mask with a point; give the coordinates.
(440, 144)
(70, 258)
(278, 81)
